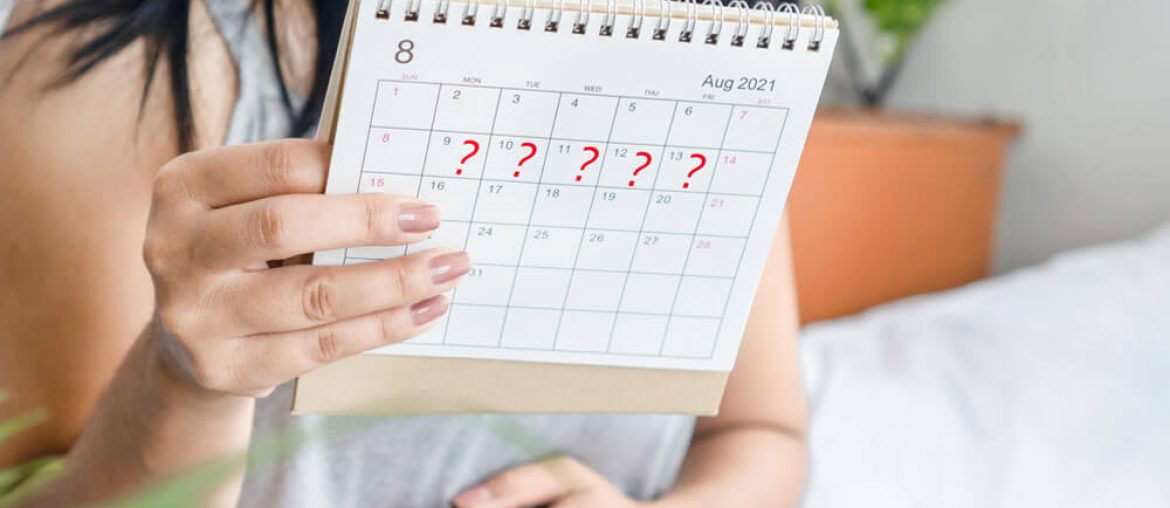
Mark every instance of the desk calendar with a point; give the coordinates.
(616, 171)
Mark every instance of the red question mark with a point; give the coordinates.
(596, 153)
(474, 150)
(702, 162)
(531, 153)
(648, 158)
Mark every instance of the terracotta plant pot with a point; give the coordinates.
(887, 206)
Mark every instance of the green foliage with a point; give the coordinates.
(11, 477)
(875, 53)
(900, 19)
(190, 488)
(19, 422)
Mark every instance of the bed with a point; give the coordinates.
(1048, 386)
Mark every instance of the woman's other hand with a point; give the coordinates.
(559, 482)
(232, 325)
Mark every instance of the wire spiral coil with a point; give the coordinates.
(736, 15)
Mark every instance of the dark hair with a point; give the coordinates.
(163, 27)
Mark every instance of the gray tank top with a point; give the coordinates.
(415, 461)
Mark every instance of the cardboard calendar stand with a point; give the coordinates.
(400, 385)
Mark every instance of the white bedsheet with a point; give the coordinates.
(1049, 386)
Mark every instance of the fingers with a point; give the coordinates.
(284, 226)
(218, 217)
(297, 297)
(274, 358)
(534, 484)
(237, 174)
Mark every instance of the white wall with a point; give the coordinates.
(1090, 82)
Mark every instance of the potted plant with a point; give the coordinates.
(876, 35)
(889, 204)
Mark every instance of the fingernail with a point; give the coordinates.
(473, 497)
(428, 310)
(418, 218)
(449, 266)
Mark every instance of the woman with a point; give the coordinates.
(149, 129)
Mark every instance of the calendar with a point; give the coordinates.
(616, 170)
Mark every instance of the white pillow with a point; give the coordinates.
(1049, 386)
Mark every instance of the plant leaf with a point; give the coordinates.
(21, 422)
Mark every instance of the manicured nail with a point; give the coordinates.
(428, 310)
(449, 266)
(473, 497)
(418, 218)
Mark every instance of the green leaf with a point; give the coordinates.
(900, 19)
(21, 422)
(191, 488)
(10, 477)
(27, 477)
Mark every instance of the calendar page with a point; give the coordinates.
(618, 194)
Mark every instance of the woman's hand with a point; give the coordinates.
(559, 482)
(232, 325)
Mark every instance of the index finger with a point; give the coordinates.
(239, 174)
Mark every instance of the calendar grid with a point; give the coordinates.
(574, 140)
(641, 228)
(511, 280)
(588, 213)
(535, 307)
(739, 264)
(591, 94)
(475, 201)
(579, 269)
(698, 222)
(365, 151)
(528, 227)
(565, 184)
(426, 150)
(586, 353)
(582, 228)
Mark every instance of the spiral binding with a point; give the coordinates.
(739, 19)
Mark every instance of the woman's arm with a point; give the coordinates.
(753, 454)
(228, 329)
(83, 207)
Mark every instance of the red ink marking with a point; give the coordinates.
(531, 153)
(474, 150)
(596, 153)
(702, 162)
(646, 160)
